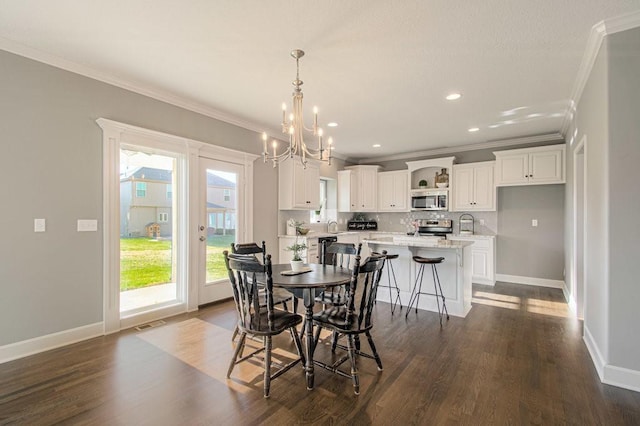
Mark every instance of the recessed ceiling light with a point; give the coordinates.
(376, 145)
(453, 96)
(332, 124)
(473, 129)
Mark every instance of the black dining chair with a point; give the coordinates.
(255, 318)
(280, 296)
(354, 317)
(340, 255)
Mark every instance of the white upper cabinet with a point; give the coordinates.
(393, 191)
(358, 189)
(474, 188)
(298, 187)
(530, 166)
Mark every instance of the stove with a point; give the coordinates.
(434, 227)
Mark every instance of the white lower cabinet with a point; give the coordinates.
(483, 257)
(310, 255)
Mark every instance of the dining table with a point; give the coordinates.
(307, 286)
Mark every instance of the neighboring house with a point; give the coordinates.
(146, 197)
(221, 205)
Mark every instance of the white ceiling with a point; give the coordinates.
(380, 69)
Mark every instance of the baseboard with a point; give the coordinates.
(50, 341)
(541, 282)
(622, 377)
(596, 356)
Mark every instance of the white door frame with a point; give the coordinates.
(114, 133)
(578, 302)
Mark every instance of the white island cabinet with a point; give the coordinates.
(454, 271)
(483, 257)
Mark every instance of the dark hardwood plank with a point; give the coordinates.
(518, 358)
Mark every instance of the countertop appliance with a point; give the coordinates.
(429, 199)
(434, 227)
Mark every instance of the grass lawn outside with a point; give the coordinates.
(145, 261)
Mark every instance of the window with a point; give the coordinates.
(141, 189)
(320, 215)
(163, 217)
(169, 191)
(227, 195)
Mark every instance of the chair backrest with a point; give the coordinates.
(363, 288)
(340, 254)
(244, 273)
(250, 249)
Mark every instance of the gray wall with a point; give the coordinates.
(51, 167)
(624, 197)
(522, 249)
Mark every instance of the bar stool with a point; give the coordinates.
(417, 289)
(390, 271)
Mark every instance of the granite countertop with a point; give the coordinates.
(472, 236)
(427, 242)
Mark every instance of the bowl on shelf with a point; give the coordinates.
(442, 185)
(302, 231)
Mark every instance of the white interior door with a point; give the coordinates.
(222, 222)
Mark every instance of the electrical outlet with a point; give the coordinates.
(39, 225)
(534, 222)
(87, 225)
(481, 222)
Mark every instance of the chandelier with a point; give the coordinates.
(295, 128)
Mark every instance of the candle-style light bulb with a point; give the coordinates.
(330, 148)
(264, 142)
(320, 140)
(275, 145)
(315, 118)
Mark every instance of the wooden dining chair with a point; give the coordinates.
(280, 296)
(340, 255)
(354, 317)
(255, 318)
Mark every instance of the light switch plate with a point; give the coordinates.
(39, 225)
(87, 225)
(534, 222)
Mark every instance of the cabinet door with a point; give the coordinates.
(344, 190)
(385, 192)
(367, 183)
(401, 191)
(312, 187)
(512, 169)
(299, 186)
(484, 189)
(463, 178)
(546, 167)
(480, 268)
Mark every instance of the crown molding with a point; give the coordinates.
(160, 95)
(598, 32)
(549, 137)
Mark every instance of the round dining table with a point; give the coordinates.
(306, 286)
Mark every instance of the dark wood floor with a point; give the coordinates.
(516, 359)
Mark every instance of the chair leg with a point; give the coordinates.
(374, 350)
(284, 305)
(354, 366)
(235, 333)
(356, 338)
(295, 305)
(444, 305)
(236, 353)
(334, 341)
(395, 281)
(316, 337)
(267, 365)
(298, 342)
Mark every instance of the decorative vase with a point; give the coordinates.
(297, 265)
(442, 179)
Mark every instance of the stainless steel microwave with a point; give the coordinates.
(429, 199)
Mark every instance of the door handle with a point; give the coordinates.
(201, 227)
(202, 238)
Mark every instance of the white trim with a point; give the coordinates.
(622, 377)
(541, 282)
(50, 341)
(571, 301)
(152, 315)
(551, 138)
(598, 32)
(594, 352)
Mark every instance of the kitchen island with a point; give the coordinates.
(454, 272)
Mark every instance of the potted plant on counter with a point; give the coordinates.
(296, 260)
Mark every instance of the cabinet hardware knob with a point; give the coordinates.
(202, 238)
